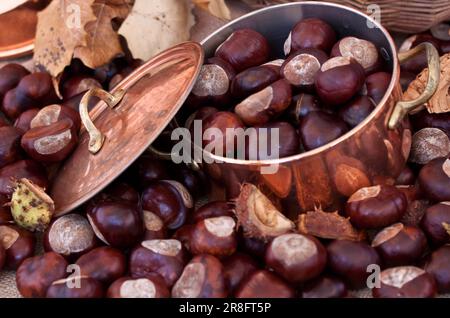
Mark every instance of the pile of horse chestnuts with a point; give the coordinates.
(147, 236)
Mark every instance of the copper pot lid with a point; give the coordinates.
(18, 28)
(153, 94)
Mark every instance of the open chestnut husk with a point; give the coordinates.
(405, 282)
(152, 286)
(296, 257)
(165, 257)
(203, 277)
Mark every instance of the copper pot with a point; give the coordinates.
(373, 152)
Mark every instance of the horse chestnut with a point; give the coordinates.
(243, 49)
(325, 287)
(203, 277)
(10, 76)
(296, 257)
(18, 243)
(436, 223)
(23, 122)
(210, 210)
(434, 180)
(87, 288)
(169, 200)
(376, 206)
(21, 169)
(78, 84)
(253, 80)
(310, 33)
(152, 286)
(301, 106)
(54, 113)
(154, 226)
(165, 257)
(264, 284)
(10, 151)
(236, 268)
(356, 110)
(36, 274)
(377, 85)
(400, 244)
(363, 51)
(319, 128)
(116, 223)
(104, 264)
(337, 92)
(261, 107)
(405, 282)
(350, 259)
(438, 266)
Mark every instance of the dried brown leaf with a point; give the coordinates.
(103, 43)
(155, 25)
(60, 30)
(328, 226)
(440, 102)
(217, 8)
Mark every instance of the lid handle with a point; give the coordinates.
(96, 138)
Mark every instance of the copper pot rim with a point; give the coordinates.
(380, 107)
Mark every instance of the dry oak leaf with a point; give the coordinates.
(328, 225)
(103, 43)
(155, 25)
(217, 8)
(60, 30)
(440, 102)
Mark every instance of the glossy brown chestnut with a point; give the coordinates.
(253, 246)
(264, 284)
(165, 257)
(438, 266)
(36, 274)
(301, 106)
(434, 180)
(424, 119)
(104, 264)
(272, 141)
(148, 170)
(225, 143)
(376, 207)
(214, 236)
(37, 87)
(436, 223)
(350, 260)
(78, 84)
(170, 200)
(419, 62)
(183, 234)
(406, 177)
(213, 83)
(296, 257)
(325, 287)
(70, 236)
(22, 123)
(351, 79)
(237, 268)
(203, 277)
(15, 104)
(357, 110)
(194, 181)
(10, 76)
(263, 106)
(2, 257)
(400, 245)
(377, 85)
(153, 226)
(319, 128)
(10, 151)
(210, 210)
(310, 33)
(405, 282)
(152, 286)
(363, 51)
(116, 223)
(18, 243)
(243, 49)
(53, 143)
(86, 287)
(301, 67)
(28, 169)
(54, 113)
(253, 80)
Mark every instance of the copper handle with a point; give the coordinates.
(96, 138)
(434, 70)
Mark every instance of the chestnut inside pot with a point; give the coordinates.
(378, 147)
